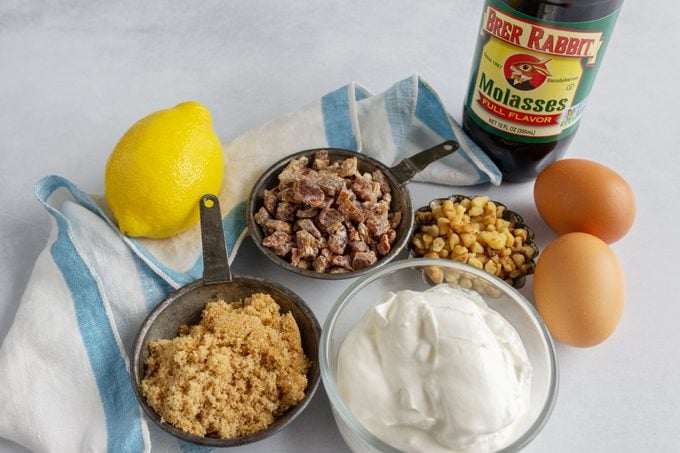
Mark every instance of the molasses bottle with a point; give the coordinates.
(534, 65)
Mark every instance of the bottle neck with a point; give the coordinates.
(566, 10)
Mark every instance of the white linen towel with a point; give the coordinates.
(64, 381)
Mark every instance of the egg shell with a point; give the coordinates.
(579, 289)
(582, 195)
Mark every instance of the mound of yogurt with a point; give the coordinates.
(435, 371)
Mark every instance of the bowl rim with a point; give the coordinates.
(255, 231)
(329, 381)
(291, 414)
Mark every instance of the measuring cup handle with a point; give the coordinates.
(409, 167)
(215, 260)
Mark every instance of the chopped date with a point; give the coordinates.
(330, 184)
(338, 270)
(285, 211)
(279, 242)
(320, 264)
(308, 226)
(358, 246)
(308, 192)
(261, 216)
(348, 167)
(384, 245)
(395, 219)
(377, 225)
(363, 259)
(381, 179)
(327, 216)
(366, 189)
(337, 241)
(270, 200)
(272, 225)
(321, 160)
(293, 171)
(306, 244)
(342, 261)
(307, 213)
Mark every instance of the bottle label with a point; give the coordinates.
(531, 77)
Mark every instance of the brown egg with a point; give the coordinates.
(582, 195)
(579, 289)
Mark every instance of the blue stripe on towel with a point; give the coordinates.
(123, 422)
(399, 105)
(234, 224)
(337, 119)
(188, 447)
(431, 112)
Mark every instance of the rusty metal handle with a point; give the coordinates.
(215, 259)
(409, 167)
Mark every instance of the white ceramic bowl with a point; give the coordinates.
(409, 274)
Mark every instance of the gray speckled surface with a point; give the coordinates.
(76, 74)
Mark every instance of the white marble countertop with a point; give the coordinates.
(75, 75)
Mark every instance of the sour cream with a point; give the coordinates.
(436, 371)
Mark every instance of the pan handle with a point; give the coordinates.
(215, 260)
(409, 167)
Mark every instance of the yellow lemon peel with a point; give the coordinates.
(160, 168)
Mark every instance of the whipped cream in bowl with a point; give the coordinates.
(413, 367)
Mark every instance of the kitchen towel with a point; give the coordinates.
(64, 380)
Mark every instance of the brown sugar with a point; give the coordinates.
(230, 375)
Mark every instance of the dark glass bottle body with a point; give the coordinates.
(518, 159)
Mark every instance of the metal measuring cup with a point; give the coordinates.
(397, 177)
(185, 305)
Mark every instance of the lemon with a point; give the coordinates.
(160, 168)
